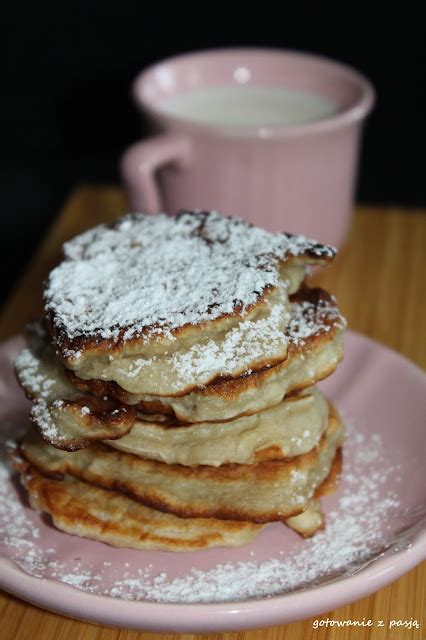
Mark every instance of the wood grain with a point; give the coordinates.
(379, 282)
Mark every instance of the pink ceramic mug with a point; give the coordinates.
(294, 178)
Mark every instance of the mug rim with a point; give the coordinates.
(351, 114)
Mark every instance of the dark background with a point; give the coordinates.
(67, 113)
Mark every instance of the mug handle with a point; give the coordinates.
(140, 162)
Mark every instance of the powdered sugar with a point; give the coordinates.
(156, 273)
(33, 381)
(40, 386)
(312, 318)
(249, 342)
(42, 417)
(243, 345)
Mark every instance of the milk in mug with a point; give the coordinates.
(249, 106)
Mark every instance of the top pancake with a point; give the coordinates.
(145, 283)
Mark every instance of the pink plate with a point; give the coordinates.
(374, 533)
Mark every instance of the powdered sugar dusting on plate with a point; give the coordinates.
(152, 274)
(353, 535)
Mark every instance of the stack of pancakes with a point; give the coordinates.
(172, 384)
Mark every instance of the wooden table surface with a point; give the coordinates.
(379, 282)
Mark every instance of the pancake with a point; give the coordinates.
(161, 305)
(288, 429)
(253, 343)
(64, 416)
(315, 337)
(267, 491)
(90, 512)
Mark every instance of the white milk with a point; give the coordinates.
(249, 106)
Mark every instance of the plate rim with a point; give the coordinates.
(234, 615)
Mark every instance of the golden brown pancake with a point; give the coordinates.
(263, 492)
(290, 428)
(87, 511)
